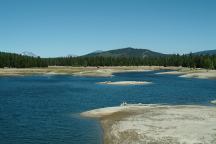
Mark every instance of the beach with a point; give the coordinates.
(156, 124)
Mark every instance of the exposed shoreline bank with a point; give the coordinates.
(157, 123)
(79, 71)
(108, 71)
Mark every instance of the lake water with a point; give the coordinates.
(45, 109)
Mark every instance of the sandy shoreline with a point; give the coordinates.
(193, 73)
(157, 124)
(213, 101)
(125, 83)
(79, 71)
(205, 74)
(172, 72)
(108, 71)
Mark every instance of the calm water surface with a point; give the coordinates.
(45, 109)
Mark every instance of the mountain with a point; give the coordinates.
(126, 52)
(207, 52)
(71, 55)
(26, 53)
(95, 53)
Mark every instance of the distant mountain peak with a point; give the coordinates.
(126, 52)
(206, 52)
(97, 51)
(31, 54)
(72, 55)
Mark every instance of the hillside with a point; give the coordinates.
(126, 52)
(30, 54)
(207, 52)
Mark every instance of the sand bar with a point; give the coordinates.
(213, 102)
(125, 83)
(142, 124)
(193, 73)
(172, 72)
(207, 74)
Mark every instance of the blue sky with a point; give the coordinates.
(52, 28)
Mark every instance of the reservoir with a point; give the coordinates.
(44, 109)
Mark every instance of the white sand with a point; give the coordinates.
(172, 72)
(98, 113)
(108, 72)
(193, 73)
(213, 102)
(211, 74)
(157, 124)
(125, 83)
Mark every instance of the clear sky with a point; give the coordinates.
(60, 27)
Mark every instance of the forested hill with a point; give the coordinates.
(193, 61)
(126, 52)
(20, 61)
(207, 52)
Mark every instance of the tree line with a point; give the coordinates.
(18, 61)
(12, 60)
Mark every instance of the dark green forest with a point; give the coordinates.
(12, 60)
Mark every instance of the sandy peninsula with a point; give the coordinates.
(193, 73)
(158, 124)
(213, 102)
(205, 74)
(125, 83)
(172, 72)
(109, 71)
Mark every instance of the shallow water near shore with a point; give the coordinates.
(45, 109)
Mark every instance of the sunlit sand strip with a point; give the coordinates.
(201, 75)
(122, 83)
(213, 102)
(101, 112)
(157, 124)
(194, 73)
(106, 71)
(172, 72)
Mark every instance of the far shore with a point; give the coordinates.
(79, 71)
(140, 123)
(108, 71)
